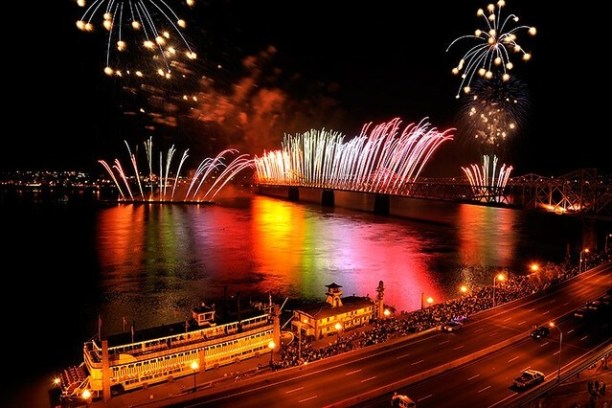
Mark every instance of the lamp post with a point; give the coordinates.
(195, 367)
(387, 313)
(582, 262)
(271, 346)
(300, 338)
(500, 277)
(338, 327)
(552, 324)
(86, 395)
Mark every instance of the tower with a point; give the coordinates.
(334, 295)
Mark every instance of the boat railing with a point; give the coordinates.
(93, 353)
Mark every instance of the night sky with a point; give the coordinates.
(322, 64)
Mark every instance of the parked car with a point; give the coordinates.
(451, 326)
(540, 332)
(528, 378)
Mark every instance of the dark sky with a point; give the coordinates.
(377, 60)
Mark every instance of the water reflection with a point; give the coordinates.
(159, 260)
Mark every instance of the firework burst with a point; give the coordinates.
(494, 111)
(123, 18)
(495, 44)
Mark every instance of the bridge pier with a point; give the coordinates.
(294, 194)
(381, 204)
(327, 198)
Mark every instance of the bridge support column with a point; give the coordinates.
(381, 204)
(327, 198)
(294, 194)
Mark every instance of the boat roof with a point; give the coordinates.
(186, 326)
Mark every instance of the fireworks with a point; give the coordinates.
(495, 110)
(495, 44)
(123, 18)
(488, 183)
(382, 159)
(167, 186)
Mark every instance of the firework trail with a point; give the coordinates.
(212, 171)
(384, 158)
(122, 18)
(488, 183)
(495, 44)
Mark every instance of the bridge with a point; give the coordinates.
(582, 192)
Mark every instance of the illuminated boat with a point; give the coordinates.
(135, 359)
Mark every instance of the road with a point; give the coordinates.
(369, 376)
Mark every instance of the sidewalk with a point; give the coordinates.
(574, 393)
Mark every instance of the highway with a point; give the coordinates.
(428, 367)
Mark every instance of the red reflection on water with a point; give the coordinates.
(120, 236)
(486, 235)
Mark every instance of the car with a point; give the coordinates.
(402, 401)
(528, 378)
(581, 312)
(540, 332)
(451, 326)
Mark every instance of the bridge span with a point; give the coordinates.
(583, 192)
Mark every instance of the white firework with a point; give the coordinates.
(495, 44)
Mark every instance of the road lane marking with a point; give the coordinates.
(308, 399)
(484, 389)
(444, 342)
(418, 362)
(402, 356)
(569, 331)
(552, 301)
(584, 337)
(294, 390)
(555, 353)
(368, 379)
(544, 344)
(546, 312)
(531, 310)
(477, 330)
(505, 320)
(566, 303)
(512, 359)
(425, 397)
(474, 376)
(352, 372)
(457, 348)
(523, 322)
(493, 334)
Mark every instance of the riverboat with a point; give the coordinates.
(134, 359)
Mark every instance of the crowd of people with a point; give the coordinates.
(479, 299)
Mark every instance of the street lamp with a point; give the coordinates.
(195, 366)
(534, 267)
(271, 346)
(300, 339)
(387, 313)
(86, 395)
(463, 289)
(338, 327)
(429, 300)
(582, 262)
(500, 277)
(552, 324)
